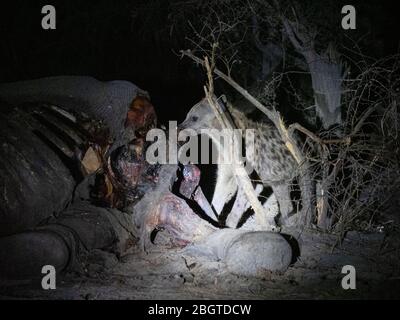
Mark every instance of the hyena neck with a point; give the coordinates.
(225, 139)
(240, 119)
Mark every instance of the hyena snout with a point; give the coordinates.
(192, 121)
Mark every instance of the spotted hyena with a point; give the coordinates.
(269, 157)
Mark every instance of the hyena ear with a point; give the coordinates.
(244, 106)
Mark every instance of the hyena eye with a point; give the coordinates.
(194, 118)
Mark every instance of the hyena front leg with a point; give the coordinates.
(282, 194)
(225, 188)
(240, 206)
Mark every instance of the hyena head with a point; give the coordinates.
(201, 116)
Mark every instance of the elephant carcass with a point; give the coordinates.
(40, 170)
(48, 151)
(44, 140)
(105, 101)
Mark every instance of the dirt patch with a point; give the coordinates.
(175, 274)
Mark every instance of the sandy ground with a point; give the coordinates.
(173, 274)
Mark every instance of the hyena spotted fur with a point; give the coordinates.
(269, 157)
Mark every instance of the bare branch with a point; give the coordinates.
(286, 135)
(241, 175)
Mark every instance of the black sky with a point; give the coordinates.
(99, 38)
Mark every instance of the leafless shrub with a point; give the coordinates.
(360, 173)
(352, 160)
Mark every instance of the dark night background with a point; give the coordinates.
(103, 40)
(100, 39)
